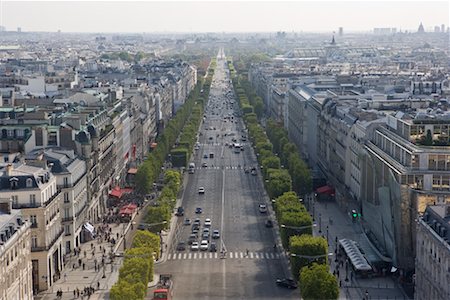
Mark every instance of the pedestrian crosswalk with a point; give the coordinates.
(220, 167)
(229, 255)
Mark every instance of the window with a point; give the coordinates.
(33, 219)
(33, 200)
(34, 242)
(66, 197)
(66, 212)
(15, 199)
(29, 182)
(66, 182)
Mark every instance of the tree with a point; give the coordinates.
(279, 182)
(123, 290)
(158, 214)
(259, 107)
(295, 223)
(271, 162)
(317, 283)
(143, 238)
(307, 245)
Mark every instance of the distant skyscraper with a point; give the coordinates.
(437, 29)
(443, 28)
(19, 29)
(341, 31)
(421, 29)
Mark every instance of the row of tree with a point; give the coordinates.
(137, 268)
(149, 171)
(309, 255)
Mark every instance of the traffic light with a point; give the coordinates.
(354, 215)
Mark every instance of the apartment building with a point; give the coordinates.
(34, 191)
(71, 174)
(15, 250)
(433, 254)
(406, 168)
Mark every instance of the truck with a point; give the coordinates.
(164, 288)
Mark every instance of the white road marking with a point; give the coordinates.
(251, 254)
(189, 255)
(242, 255)
(169, 256)
(184, 255)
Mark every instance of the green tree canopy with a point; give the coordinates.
(313, 249)
(316, 282)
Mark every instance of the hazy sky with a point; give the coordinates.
(218, 16)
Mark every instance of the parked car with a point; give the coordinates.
(269, 224)
(180, 211)
(287, 283)
(187, 221)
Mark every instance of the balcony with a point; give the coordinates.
(68, 219)
(58, 235)
(26, 205)
(52, 198)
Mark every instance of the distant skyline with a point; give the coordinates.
(219, 16)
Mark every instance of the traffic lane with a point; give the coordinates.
(245, 226)
(244, 278)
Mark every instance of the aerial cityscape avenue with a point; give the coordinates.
(225, 165)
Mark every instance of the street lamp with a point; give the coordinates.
(299, 227)
(320, 223)
(311, 257)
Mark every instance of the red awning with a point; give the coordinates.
(116, 192)
(326, 189)
(132, 171)
(128, 209)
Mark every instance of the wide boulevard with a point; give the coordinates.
(246, 263)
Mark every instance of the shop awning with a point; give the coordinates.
(132, 171)
(116, 192)
(128, 209)
(326, 189)
(89, 227)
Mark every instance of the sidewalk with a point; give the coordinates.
(341, 226)
(85, 269)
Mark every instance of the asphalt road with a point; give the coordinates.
(231, 201)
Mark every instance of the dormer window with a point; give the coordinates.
(14, 182)
(29, 182)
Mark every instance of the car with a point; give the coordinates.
(196, 222)
(287, 283)
(204, 245)
(195, 230)
(198, 210)
(254, 173)
(269, 224)
(262, 208)
(201, 190)
(195, 246)
(180, 212)
(205, 155)
(210, 138)
(192, 238)
(247, 170)
(181, 246)
(207, 222)
(213, 247)
(187, 222)
(216, 234)
(204, 165)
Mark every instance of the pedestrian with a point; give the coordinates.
(98, 285)
(74, 294)
(65, 277)
(78, 292)
(340, 283)
(246, 251)
(79, 262)
(117, 234)
(92, 245)
(84, 252)
(83, 266)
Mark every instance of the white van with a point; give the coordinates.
(191, 168)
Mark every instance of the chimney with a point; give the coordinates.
(9, 169)
(5, 205)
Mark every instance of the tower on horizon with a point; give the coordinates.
(421, 29)
(341, 31)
